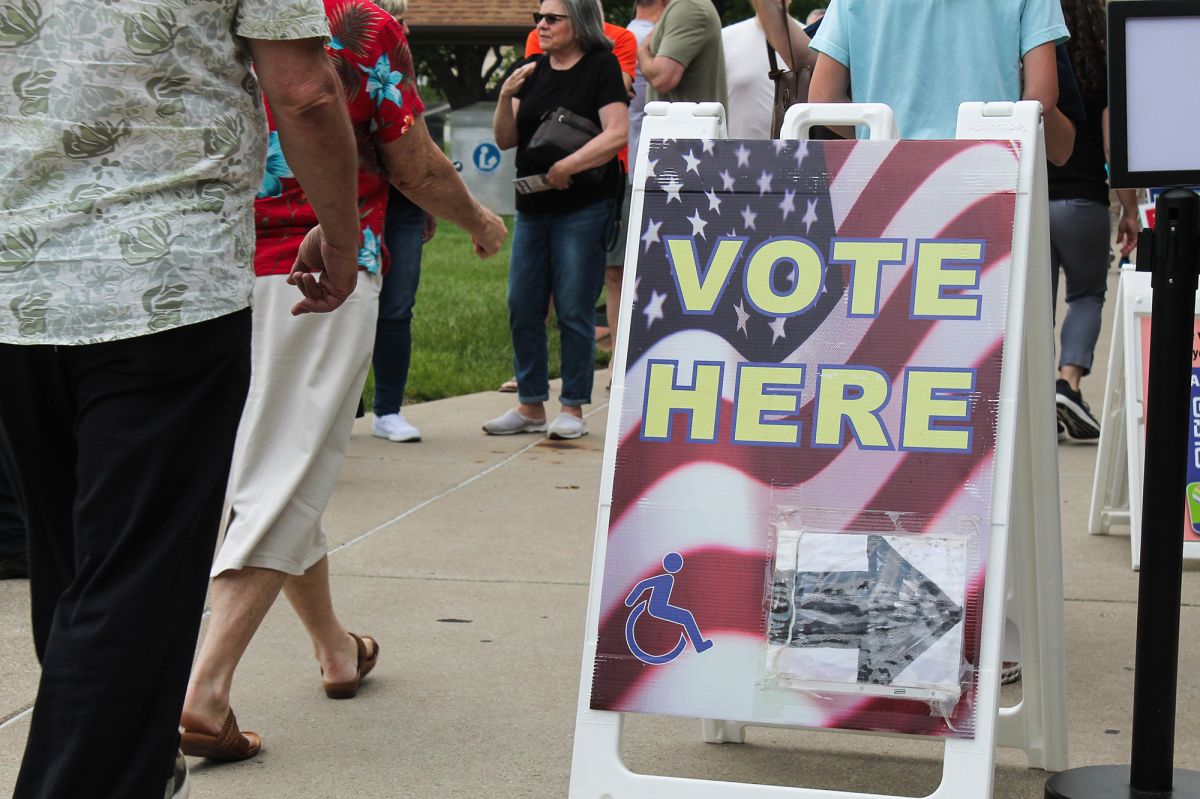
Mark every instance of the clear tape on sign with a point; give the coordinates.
(870, 612)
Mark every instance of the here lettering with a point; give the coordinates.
(849, 400)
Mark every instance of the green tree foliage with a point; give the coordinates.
(463, 73)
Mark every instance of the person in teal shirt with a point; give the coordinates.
(923, 58)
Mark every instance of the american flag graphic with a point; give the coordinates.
(718, 504)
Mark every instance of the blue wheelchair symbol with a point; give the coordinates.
(658, 604)
(486, 157)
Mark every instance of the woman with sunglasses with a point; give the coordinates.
(558, 247)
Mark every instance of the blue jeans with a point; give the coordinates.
(559, 255)
(402, 231)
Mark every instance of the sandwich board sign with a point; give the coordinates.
(1121, 454)
(821, 436)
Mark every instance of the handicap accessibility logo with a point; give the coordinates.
(486, 157)
(657, 602)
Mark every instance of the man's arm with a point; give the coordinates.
(1130, 223)
(318, 143)
(831, 84)
(785, 34)
(416, 166)
(662, 73)
(1041, 84)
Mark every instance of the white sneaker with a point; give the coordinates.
(567, 426)
(178, 787)
(513, 422)
(394, 427)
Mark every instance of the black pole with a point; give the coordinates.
(1172, 253)
(1164, 481)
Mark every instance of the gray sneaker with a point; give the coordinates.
(567, 426)
(179, 787)
(513, 422)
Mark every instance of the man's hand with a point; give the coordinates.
(326, 275)
(429, 228)
(489, 235)
(1127, 233)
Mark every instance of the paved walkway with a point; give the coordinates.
(469, 557)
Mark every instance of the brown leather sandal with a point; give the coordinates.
(229, 745)
(349, 688)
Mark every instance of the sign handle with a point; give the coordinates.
(1172, 252)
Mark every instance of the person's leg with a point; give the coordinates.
(402, 234)
(240, 601)
(152, 425)
(13, 556)
(1084, 233)
(312, 599)
(528, 296)
(577, 263)
(285, 467)
(614, 269)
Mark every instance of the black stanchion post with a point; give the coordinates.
(1172, 253)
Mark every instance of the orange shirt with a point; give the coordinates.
(624, 48)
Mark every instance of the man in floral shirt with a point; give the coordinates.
(134, 138)
(285, 463)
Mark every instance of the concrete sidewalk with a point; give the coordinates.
(468, 557)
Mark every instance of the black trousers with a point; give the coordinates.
(12, 526)
(119, 454)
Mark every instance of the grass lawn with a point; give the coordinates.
(461, 342)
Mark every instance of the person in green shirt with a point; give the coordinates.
(683, 60)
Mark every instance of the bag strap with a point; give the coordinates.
(775, 72)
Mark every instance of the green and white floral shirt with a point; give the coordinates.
(133, 142)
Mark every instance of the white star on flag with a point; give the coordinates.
(672, 189)
(801, 151)
(743, 155)
(651, 234)
(714, 202)
(788, 203)
(650, 168)
(693, 163)
(810, 215)
(764, 183)
(698, 224)
(726, 180)
(777, 328)
(707, 144)
(748, 218)
(780, 145)
(743, 317)
(653, 310)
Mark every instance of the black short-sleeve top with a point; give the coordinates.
(591, 83)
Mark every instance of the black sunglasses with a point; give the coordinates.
(551, 19)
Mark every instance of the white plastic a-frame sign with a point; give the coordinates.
(1121, 455)
(824, 426)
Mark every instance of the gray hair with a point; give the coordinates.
(587, 21)
(397, 8)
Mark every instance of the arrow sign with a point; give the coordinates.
(891, 613)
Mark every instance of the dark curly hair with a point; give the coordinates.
(1088, 48)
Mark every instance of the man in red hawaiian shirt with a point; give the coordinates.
(308, 374)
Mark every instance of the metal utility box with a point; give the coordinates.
(487, 171)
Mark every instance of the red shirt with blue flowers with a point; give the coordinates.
(372, 58)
